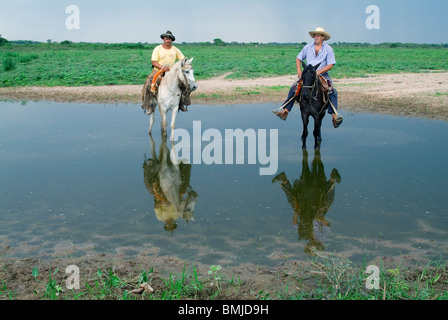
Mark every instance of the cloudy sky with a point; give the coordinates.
(114, 21)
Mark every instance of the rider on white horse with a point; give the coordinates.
(163, 58)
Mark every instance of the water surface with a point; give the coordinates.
(76, 178)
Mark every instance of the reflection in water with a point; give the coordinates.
(169, 184)
(397, 187)
(311, 197)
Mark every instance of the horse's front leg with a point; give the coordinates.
(317, 133)
(163, 122)
(173, 122)
(151, 122)
(305, 121)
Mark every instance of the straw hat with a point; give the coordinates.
(321, 31)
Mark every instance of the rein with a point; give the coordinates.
(183, 81)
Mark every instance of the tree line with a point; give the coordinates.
(220, 42)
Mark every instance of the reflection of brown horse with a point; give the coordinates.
(169, 184)
(311, 197)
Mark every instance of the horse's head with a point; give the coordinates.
(187, 70)
(309, 77)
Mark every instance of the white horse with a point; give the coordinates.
(169, 92)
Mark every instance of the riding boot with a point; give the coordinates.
(283, 114)
(280, 177)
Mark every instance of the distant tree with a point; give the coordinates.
(218, 42)
(3, 40)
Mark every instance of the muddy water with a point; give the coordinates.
(79, 178)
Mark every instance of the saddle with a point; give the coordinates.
(156, 81)
(326, 84)
(149, 97)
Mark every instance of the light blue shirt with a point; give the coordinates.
(325, 56)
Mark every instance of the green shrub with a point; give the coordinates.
(8, 64)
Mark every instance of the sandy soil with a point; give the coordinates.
(418, 95)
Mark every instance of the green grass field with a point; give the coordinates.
(80, 64)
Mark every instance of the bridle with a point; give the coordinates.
(186, 84)
(312, 87)
(185, 78)
(315, 88)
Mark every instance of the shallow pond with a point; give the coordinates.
(77, 178)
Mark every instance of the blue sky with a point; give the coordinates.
(414, 21)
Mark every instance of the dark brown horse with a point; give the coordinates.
(313, 102)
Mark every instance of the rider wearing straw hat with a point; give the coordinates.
(315, 53)
(163, 58)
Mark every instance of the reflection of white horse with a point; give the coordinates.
(179, 78)
(169, 183)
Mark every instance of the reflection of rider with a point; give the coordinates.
(163, 58)
(311, 197)
(169, 184)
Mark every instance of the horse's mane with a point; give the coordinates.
(177, 65)
(309, 67)
(176, 73)
(172, 74)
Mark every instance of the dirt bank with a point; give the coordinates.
(415, 94)
(244, 282)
